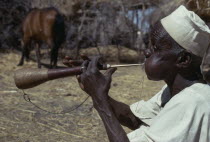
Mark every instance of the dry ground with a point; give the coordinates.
(20, 121)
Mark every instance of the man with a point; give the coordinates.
(180, 112)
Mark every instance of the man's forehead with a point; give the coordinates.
(159, 35)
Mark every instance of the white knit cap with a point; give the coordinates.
(188, 30)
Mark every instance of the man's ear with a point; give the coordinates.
(184, 59)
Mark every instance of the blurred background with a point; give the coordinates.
(96, 23)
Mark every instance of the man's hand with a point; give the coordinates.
(97, 85)
(93, 82)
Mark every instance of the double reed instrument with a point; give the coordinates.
(29, 77)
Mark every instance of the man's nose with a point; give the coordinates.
(147, 52)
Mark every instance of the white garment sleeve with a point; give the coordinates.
(185, 118)
(147, 110)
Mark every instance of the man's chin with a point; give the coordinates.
(153, 78)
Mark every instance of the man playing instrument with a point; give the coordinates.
(180, 112)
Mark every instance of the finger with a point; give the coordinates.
(109, 72)
(81, 86)
(94, 63)
(84, 57)
(84, 65)
(79, 80)
(101, 63)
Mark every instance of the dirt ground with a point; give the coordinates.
(20, 121)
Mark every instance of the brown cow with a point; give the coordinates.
(42, 25)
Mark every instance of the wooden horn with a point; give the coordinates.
(30, 77)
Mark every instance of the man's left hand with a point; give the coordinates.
(95, 83)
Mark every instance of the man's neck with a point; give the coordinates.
(179, 84)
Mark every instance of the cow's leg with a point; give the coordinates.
(38, 55)
(54, 55)
(29, 47)
(25, 51)
(50, 45)
(21, 62)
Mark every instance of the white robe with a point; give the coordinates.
(184, 118)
